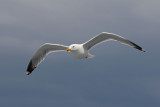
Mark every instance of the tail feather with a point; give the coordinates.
(90, 56)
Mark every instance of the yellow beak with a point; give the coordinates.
(68, 49)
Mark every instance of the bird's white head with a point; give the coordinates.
(73, 47)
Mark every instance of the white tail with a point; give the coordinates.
(90, 56)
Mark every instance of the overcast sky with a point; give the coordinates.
(118, 75)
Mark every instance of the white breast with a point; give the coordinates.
(81, 53)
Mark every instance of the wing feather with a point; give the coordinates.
(40, 54)
(104, 36)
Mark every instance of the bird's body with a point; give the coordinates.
(79, 51)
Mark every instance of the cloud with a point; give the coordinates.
(147, 10)
(30, 23)
(11, 45)
(76, 16)
(124, 77)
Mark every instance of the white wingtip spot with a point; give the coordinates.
(27, 73)
(143, 50)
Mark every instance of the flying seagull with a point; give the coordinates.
(79, 51)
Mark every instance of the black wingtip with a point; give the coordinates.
(138, 47)
(30, 68)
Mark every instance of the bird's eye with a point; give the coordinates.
(73, 46)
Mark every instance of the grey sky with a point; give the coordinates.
(119, 76)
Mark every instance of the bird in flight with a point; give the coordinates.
(79, 51)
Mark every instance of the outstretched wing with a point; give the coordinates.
(104, 36)
(40, 54)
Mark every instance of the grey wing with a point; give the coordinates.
(40, 54)
(104, 36)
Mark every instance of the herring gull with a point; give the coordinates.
(79, 51)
